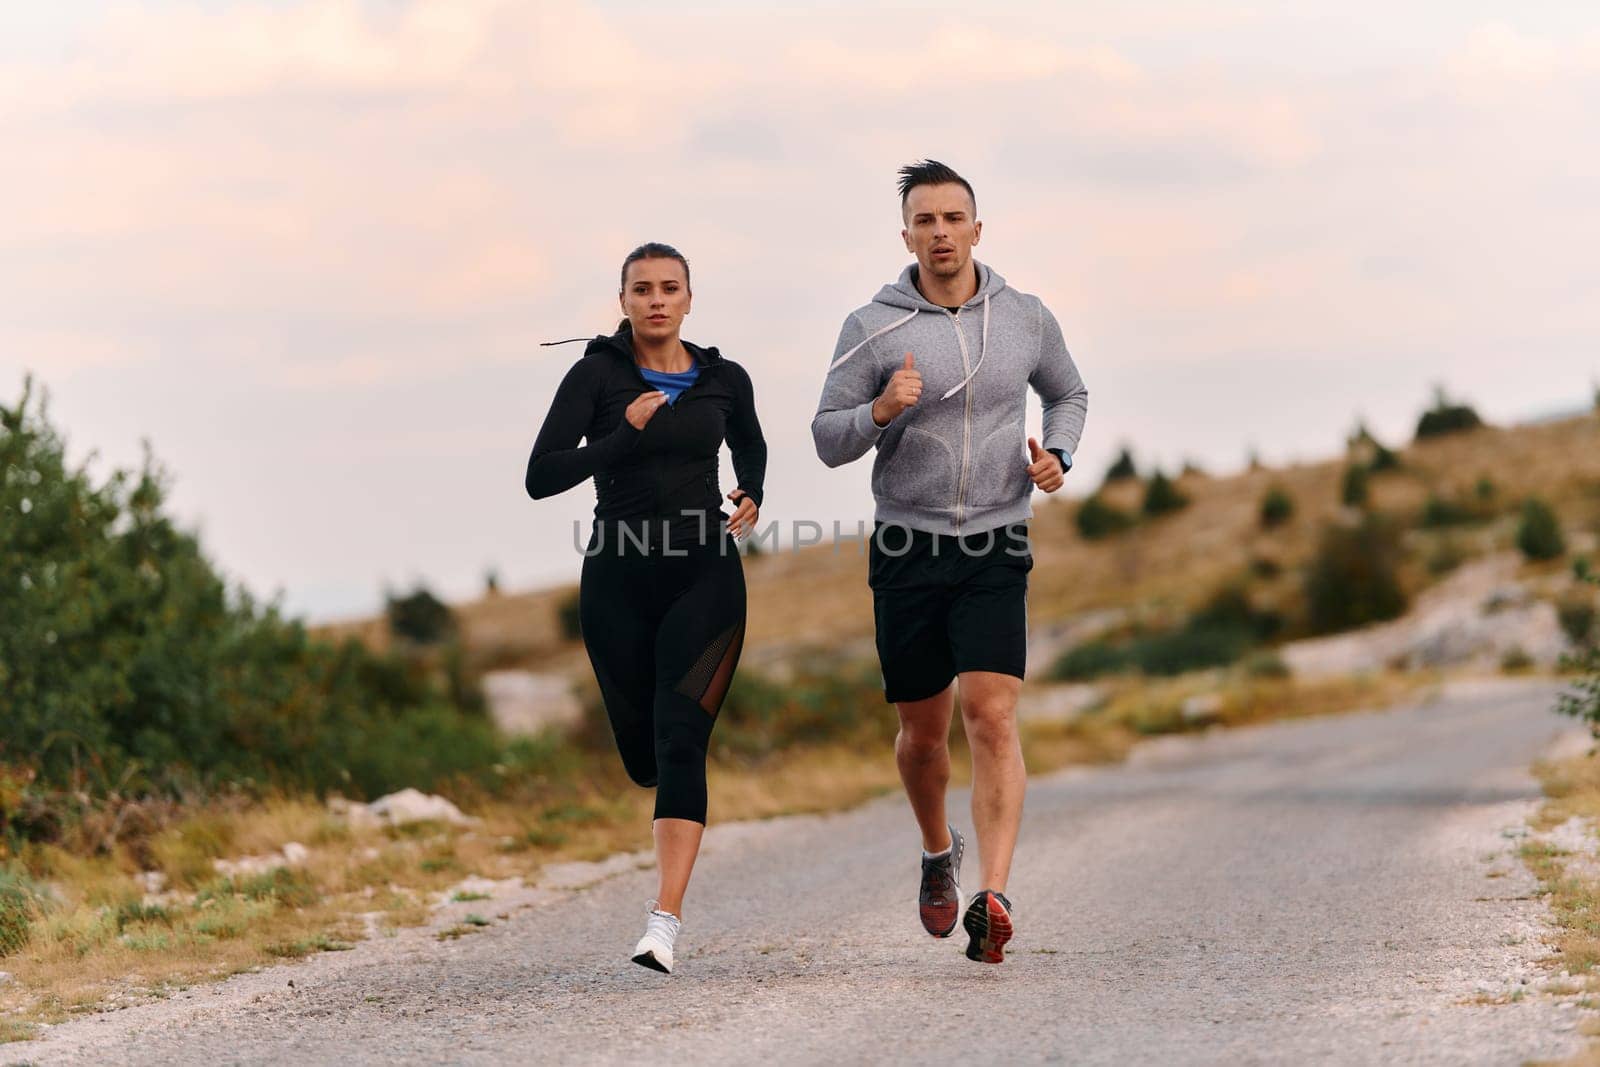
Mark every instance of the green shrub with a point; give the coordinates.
(1122, 469)
(1277, 507)
(1091, 659)
(761, 717)
(1582, 701)
(1576, 616)
(1446, 417)
(1097, 519)
(419, 617)
(1266, 664)
(1189, 649)
(1353, 489)
(1354, 578)
(1161, 497)
(1438, 512)
(1516, 660)
(1539, 531)
(1484, 490)
(1446, 556)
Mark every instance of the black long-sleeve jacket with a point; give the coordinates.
(668, 470)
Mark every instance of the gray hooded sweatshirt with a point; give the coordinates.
(956, 461)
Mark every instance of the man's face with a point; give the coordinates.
(940, 228)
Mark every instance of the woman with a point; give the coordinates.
(662, 597)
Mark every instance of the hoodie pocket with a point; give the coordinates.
(922, 471)
(1000, 475)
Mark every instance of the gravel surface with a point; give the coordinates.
(1341, 890)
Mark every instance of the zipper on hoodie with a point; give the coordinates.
(966, 417)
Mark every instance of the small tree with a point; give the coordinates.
(1353, 490)
(1097, 519)
(1446, 417)
(1277, 507)
(1539, 531)
(1123, 469)
(1161, 497)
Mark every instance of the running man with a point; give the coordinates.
(934, 373)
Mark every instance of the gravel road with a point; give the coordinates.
(1327, 891)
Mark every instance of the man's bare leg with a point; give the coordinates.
(989, 713)
(922, 753)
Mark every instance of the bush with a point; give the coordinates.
(568, 619)
(1266, 664)
(1446, 417)
(1192, 648)
(1277, 507)
(1089, 660)
(1516, 660)
(1097, 519)
(1577, 618)
(1123, 469)
(1354, 577)
(1439, 512)
(1539, 531)
(1161, 497)
(761, 717)
(1353, 489)
(126, 661)
(1583, 700)
(1484, 490)
(419, 617)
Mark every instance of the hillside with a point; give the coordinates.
(816, 600)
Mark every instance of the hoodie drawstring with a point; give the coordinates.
(836, 364)
(983, 350)
(983, 345)
(568, 341)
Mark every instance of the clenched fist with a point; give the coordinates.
(644, 405)
(904, 390)
(1044, 468)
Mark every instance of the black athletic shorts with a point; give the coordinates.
(945, 604)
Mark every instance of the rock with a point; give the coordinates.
(1201, 709)
(295, 854)
(152, 882)
(5, 976)
(412, 805)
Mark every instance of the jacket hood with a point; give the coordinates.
(902, 293)
(621, 344)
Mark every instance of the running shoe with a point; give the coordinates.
(654, 949)
(939, 902)
(988, 923)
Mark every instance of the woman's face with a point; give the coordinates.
(656, 298)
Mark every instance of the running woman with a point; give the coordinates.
(662, 595)
(934, 373)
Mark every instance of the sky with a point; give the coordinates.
(307, 248)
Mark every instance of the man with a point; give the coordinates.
(933, 373)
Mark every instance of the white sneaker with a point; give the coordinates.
(654, 949)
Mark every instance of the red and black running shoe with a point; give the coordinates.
(939, 901)
(988, 923)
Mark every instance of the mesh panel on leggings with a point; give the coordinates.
(707, 681)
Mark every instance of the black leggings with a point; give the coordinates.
(664, 632)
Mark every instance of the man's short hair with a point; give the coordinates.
(931, 172)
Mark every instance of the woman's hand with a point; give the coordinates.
(743, 519)
(644, 405)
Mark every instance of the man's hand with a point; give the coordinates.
(904, 390)
(1045, 469)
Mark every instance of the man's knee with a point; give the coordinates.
(990, 719)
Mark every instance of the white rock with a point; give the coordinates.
(295, 854)
(412, 805)
(151, 882)
(1201, 708)
(523, 702)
